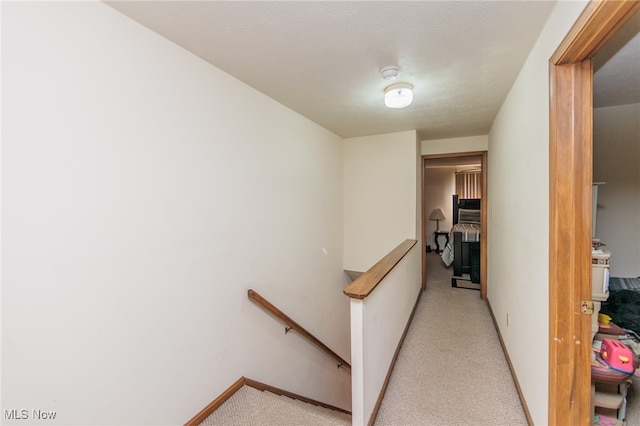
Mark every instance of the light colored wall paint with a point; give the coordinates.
(455, 145)
(380, 203)
(419, 196)
(144, 191)
(616, 161)
(518, 216)
(377, 324)
(440, 185)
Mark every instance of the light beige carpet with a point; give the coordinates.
(250, 406)
(451, 369)
(633, 403)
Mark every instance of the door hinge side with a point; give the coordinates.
(586, 307)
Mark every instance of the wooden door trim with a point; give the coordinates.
(570, 169)
(599, 21)
(483, 216)
(569, 245)
(484, 207)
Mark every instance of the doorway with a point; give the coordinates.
(570, 168)
(428, 235)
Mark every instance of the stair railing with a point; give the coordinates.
(290, 324)
(381, 302)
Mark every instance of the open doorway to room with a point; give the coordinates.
(570, 208)
(616, 208)
(454, 193)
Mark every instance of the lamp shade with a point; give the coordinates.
(437, 214)
(398, 95)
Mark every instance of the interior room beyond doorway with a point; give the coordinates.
(444, 177)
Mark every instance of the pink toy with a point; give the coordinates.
(617, 356)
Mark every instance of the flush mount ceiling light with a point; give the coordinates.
(398, 95)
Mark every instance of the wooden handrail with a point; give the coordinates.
(292, 325)
(367, 282)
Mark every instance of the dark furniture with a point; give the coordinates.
(623, 303)
(436, 235)
(466, 261)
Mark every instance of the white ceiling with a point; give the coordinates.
(616, 79)
(322, 58)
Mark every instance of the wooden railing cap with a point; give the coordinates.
(367, 282)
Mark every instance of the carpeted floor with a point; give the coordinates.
(633, 403)
(451, 369)
(476, 386)
(250, 406)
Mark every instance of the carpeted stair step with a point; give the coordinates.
(250, 406)
(331, 416)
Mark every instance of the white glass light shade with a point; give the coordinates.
(398, 95)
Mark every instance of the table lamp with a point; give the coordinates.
(437, 215)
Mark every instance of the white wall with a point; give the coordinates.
(377, 324)
(518, 215)
(381, 208)
(616, 161)
(144, 191)
(440, 184)
(454, 145)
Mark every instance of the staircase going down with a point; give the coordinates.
(249, 406)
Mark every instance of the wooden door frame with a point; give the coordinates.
(570, 181)
(483, 216)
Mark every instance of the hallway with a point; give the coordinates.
(451, 369)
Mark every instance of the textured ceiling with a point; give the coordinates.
(616, 80)
(322, 59)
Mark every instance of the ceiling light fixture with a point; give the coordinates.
(398, 95)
